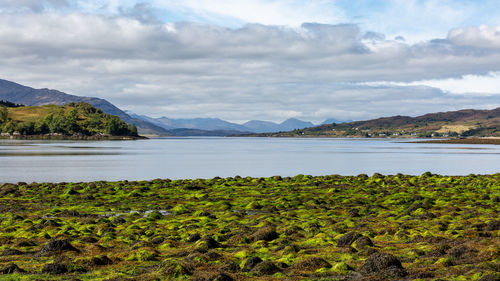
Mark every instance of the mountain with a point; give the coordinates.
(336, 121)
(220, 127)
(17, 93)
(464, 123)
(258, 126)
(208, 124)
(293, 124)
(183, 132)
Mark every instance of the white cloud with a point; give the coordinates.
(467, 84)
(253, 72)
(479, 37)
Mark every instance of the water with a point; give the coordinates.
(177, 158)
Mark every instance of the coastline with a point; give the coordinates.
(495, 141)
(72, 137)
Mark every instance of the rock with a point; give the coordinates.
(493, 225)
(265, 234)
(54, 268)
(194, 237)
(208, 242)
(221, 277)
(157, 240)
(102, 260)
(385, 264)
(490, 277)
(363, 241)
(26, 243)
(119, 220)
(461, 252)
(347, 239)
(312, 264)
(265, 268)
(11, 252)
(11, 268)
(56, 246)
(88, 239)
(231, 267)
(250, 263)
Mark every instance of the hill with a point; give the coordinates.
(73, 119)
(16, 93)
(461, 123)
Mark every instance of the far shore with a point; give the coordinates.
(70, 137)
(491, 140)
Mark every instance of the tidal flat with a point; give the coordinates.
(396, 227)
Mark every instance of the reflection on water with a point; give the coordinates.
(55, 153)
(209, 157)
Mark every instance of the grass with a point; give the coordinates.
(437, 227)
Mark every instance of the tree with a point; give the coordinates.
(3, 114)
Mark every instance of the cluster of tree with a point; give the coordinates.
(9, 104)
(81, 118)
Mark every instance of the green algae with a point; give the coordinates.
(146, 228)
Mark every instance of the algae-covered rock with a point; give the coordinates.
(221, 277)
(265, 268)
(385, 264)
(312, 264)
(55, 268)
(362, 242)
(250, 263)
(172, 269)
(11, 268)
(265, 234)
(11, 252)
(56, 246)
(347, 239)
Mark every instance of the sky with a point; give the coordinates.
(259, 59)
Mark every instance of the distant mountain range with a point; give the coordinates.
(16, 93)
(220, 126)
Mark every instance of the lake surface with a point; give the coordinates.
(177, 158)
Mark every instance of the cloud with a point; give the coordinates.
(312, 71)
(479, 37)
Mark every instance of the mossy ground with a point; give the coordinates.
(438, 227)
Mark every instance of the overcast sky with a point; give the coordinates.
(259, 59)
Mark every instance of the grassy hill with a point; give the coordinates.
(462, 123)
(73, 119)
(16, 93)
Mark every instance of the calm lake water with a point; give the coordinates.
(177, 158)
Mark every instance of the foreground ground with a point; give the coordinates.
(302, 228)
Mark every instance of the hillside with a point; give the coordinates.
(73, 119)
(462, 123)
(16, 93)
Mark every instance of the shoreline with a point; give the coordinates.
(72, 137)
(494, 141)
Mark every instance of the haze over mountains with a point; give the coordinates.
(216, 124)
(163, 126)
